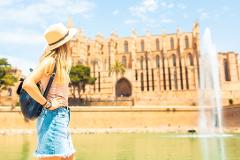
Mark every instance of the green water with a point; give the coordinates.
(144, 146)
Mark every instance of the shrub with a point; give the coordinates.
(193, 104)
(17, 104)
(230, 101)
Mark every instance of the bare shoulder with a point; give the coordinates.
(48, 65)
(48, 61)
(45, 68)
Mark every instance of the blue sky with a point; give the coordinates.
(23, 22)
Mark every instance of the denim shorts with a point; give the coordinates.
(53, 136)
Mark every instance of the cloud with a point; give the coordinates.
(167, 20)
(185, 16)
(40, 12)
(150, 5)
(21, 37)
(181, 6)
(115, 12)
(152, 13)
(147, 8)
(5, 3)
(166, 5)
(130, 21)
(226, 8)
(143, 8)
(20, 21)
(203, 14)
(216, 13)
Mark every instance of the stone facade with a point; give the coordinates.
(160, 69)
(230, 76)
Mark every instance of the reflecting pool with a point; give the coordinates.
(129, 146)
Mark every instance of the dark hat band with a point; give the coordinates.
(59, 39)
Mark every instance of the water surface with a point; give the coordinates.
(128, 146)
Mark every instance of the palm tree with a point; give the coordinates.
(118, 68)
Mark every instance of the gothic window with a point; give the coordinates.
(141, 63)
(226, 70)
(136, 75)
(169, 78)
(157, 61)
(194, 46)
(99, 82)
(126, 46)
(101, 49)
(190, 57)
(142, 45)
(157, 44)
(172, 43)
(109, 58)
(187, 80)
(174, 60)
(164, 73)
(186, 42)
(152, 79)
(175, 80)
(88, 50)
(109, 47)
(124, 61)
(142, 82)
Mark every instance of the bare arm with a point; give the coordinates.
(29, 84)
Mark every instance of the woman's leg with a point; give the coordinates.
(72, 157)
(58, 158)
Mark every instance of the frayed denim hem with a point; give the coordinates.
(36, 155)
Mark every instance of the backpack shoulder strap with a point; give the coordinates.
(50, 80)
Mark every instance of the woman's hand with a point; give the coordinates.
(56, 103)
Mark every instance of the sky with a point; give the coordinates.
(23, 22)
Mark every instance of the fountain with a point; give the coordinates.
(210, 119)
(210, 92)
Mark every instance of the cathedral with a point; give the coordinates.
(160, 69)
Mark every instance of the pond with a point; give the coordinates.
(129, 146)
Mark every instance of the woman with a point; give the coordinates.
(54, 140)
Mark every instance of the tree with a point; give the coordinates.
(80, 77)
(7, 78)
(118, 68)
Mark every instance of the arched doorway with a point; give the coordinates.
(123, 88)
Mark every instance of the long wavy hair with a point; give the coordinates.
(63, 59)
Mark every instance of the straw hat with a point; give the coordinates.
(57, 35)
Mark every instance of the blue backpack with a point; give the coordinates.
(30, 108)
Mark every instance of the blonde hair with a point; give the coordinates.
(63, 60)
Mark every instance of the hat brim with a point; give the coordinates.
(72, 33)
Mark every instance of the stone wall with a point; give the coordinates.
(163, 118)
